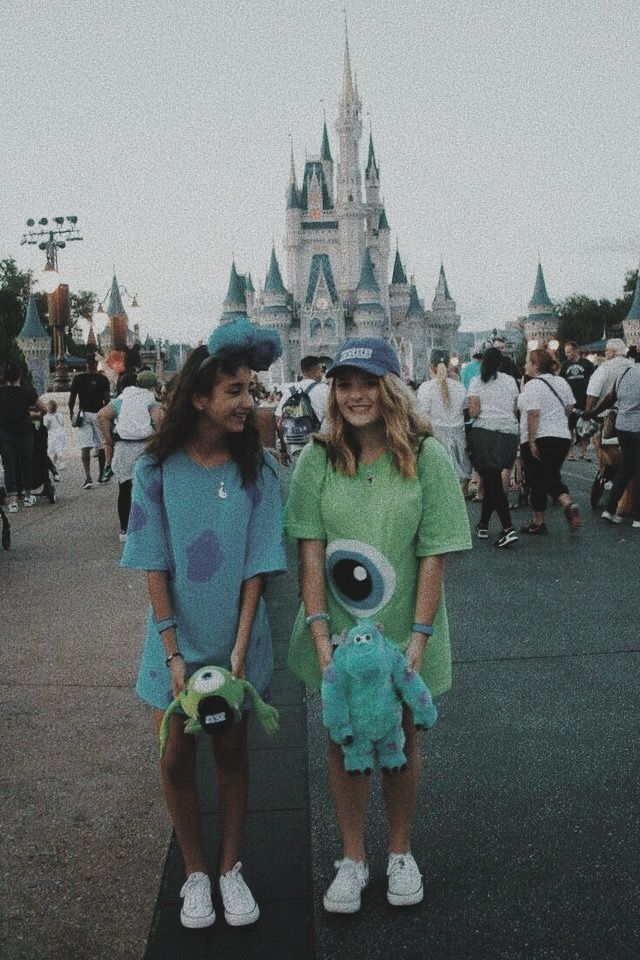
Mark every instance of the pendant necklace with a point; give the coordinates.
(222, 493)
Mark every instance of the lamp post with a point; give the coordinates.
(51, 239)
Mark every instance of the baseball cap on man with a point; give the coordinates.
(371, 354)
(146, 379)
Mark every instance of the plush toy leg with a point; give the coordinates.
(390, 751)
(358, 756)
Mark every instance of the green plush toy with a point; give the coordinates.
(212, 701)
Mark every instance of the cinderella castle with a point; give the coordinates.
(339, 280)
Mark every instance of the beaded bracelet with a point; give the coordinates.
(171, 656)
(316, 618)
(424, 628)
(166, 624)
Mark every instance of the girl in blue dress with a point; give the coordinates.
(205, 525)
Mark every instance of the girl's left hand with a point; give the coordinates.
(415, 652)
(237, 663)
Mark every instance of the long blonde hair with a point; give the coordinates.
(405, 427)
(441, 377)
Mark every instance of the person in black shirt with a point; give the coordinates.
(577, 370)
(16, 436)
(507, 365)
(92, 391)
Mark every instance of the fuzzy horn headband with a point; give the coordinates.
(260, 345)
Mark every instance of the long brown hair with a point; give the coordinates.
(405, 428)
(180, 420)
(544, 361)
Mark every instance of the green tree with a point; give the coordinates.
(14, 294)
(585, 320)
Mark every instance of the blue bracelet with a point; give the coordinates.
(424, 628)
(166, 624)
(316, 617)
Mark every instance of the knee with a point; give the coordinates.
(178, 768)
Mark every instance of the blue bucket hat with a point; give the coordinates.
(371, 354)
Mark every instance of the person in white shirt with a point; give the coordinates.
(442, 400)
(318, 390)
(493, 440)
(545, 404)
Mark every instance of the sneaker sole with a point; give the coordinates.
(242, 919)
(406, 899)
(342, 906)
(197, 923)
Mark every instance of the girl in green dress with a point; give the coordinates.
(375, 505)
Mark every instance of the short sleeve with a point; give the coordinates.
(147, 546)
(530, 397)
(473, 390)
(423, 398)
(116, 403)
(444, 526)
(596, 382)
(265, 548)
(303, 511)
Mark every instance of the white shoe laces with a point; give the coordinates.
(197, 891)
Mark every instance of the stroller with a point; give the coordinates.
(42, 470)
(608, 453)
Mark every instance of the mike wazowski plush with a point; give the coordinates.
(363, 690)
(212, 701)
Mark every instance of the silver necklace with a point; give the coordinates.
(222, 492)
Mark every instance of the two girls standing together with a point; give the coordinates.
(374, 505)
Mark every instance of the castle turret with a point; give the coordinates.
(235, 303)
(327, 162)
(398, 293)
(293, 235)
(118, 320)
(631, 323)
(372, 178)
(369, 315)
(35, 343)
(443, 319)
(350, 210)
(541, 323)
(276, 311)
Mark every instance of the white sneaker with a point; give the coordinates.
(344, 894)
(405, 880)
(29, 501)
(636, 525)
(239, 906)
(611, 517)
(12, 507)
(123, 536)
(197, 909)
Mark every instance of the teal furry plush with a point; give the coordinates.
(212, 701)
(363, 690)
(261, 345)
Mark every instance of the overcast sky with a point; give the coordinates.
(503, 129)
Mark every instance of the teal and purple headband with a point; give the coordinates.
(261, 346)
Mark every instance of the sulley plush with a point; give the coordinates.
(212, 701)
(363, 690)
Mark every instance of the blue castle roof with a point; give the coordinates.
(114, 306)
(367, 276)
(634, 312)
(32, 328)
(311, 167)
(320, 264)
(325, 152)
(414, 309)
(371, 160)
(274, 282)
(540, 296)
(399, 276)
(235, 293)
(383, 223)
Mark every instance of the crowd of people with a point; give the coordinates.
(376, 502)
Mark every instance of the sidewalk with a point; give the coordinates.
(528, 824)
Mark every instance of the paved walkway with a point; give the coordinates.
(528, 824)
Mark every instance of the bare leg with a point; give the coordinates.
(232, 767)
(349, 794)
(400, 790)
(178, 768)
(85, 455)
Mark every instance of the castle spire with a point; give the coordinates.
(274, 282)
(235, 302)
(114, 307)
(348, 91)
(399, 276)
(540, 296)
(368, 280)
(372, 166)
(442, 290)
(325, 151)
(32, 328)
(293, 194)
(634, 312)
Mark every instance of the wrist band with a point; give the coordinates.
(171, 656)
(424, 628)
(316, 617)
(166, 624)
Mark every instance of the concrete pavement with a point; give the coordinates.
(528, 823)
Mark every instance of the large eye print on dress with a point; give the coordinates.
(360, 577)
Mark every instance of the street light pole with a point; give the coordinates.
(57, 293)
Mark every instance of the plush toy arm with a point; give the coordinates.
(414, 692)
(335, 707)
(267, 715)
(164, 726)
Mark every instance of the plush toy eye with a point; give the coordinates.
(359, 576)
(207, 680)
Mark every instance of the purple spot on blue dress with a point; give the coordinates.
(153, 673)
(329, 674)
(254, 494)
(137, 518)
(205, 557)
(423, 699)
(392, 745)
(154, 491)
(408, 675)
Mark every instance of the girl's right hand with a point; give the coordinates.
(179, 676)
(324, 653)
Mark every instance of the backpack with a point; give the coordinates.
(134, 419)
(299, 420)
